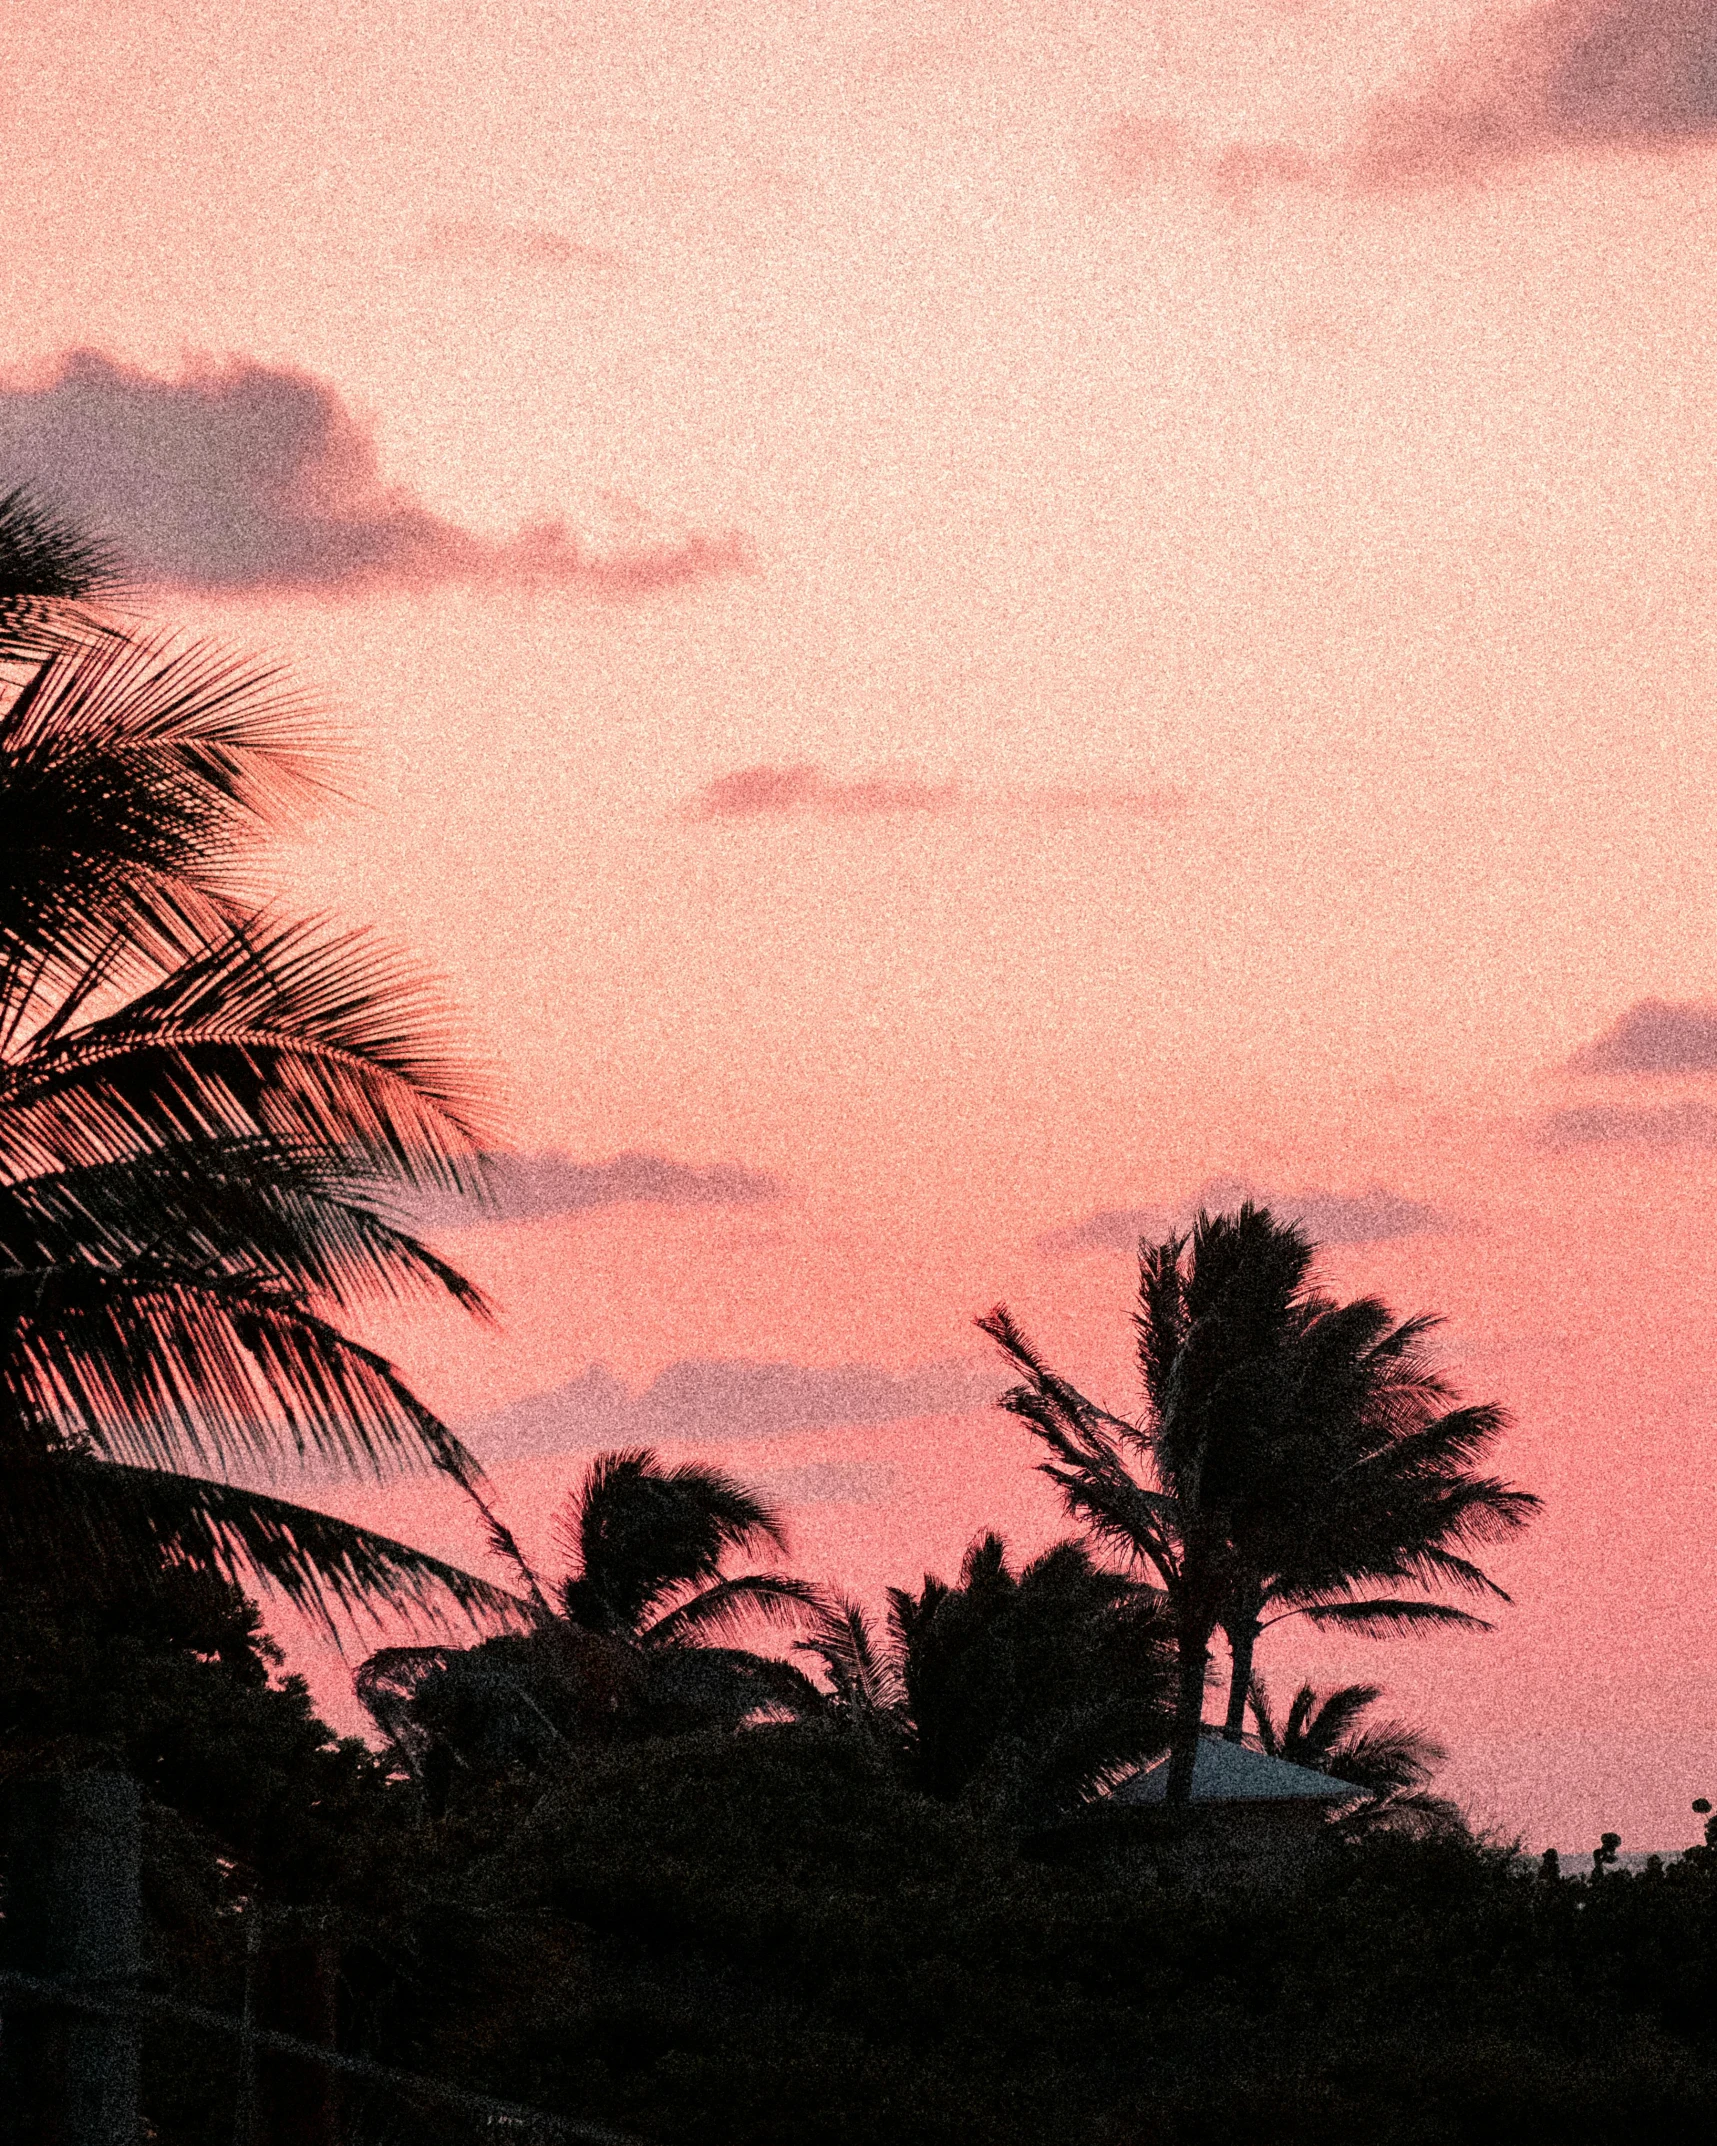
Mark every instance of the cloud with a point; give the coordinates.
(827, 1482)
(1565, 75)
(526, 1187)
(1369, 1217)
(706, 1400)
(1131, 151)
(1655, 1036)
(797, 789)
(486, 243)
(1658, 1125)
(771, 792)
(248, 476)
(1242, 170)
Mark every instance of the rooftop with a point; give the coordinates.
(1237, 1773)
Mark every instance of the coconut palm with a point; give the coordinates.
(212, 1119)
(645, 1545)
(632, 1645)
(1292, 1456)
(1022, 1692)
(1394, 1764)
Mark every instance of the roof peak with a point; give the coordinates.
(1227, 1772)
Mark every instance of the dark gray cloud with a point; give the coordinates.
(1655, 1036)
(1657, 1125)
(247, 476)
(525, 1187)
(1564, 75)
(1367, 1217)
(707, 1400)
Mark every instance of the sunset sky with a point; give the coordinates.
(962, 625)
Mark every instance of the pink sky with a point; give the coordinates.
(987, 614)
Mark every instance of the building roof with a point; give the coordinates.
(1235, 1773)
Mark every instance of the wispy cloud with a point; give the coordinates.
(798, 789)
(484, 242)
(1131, 151)
(1655, 1036)
(526, 1187)
(1519, 84)
(773, 792)
(1564, 75)
(1368, 1217)
(247, 476)
(827, 1482)
(1657, 1125)
(703, 1400)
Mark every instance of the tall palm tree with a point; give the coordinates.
(1394, 1764)
(1024, 1692)
(628, 1643)
(212, 1120)
(1293, 1454)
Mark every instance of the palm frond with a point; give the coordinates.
(636, 1531)
(725, 1607)
(44, 555)
(1387, 1758)
(865, 1680)
(50, 570)
(137, 776)
(296, 1214)
(387, 1684)
(1385, 1616)
(160, 1367)
(272, 1030)
(78, 1514)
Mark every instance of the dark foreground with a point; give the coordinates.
(758, 1940)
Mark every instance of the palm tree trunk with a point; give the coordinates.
(1194, 1648)
(1242, 1639)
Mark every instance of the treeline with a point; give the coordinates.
(769, 1938)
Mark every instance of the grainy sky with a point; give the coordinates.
(959, 621)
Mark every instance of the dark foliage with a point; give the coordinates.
(1021, 1693)
(768, 1939)
(211, 1118)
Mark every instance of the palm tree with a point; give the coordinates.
(631, 1644)
(212, 1120)
(645, 1546)
(1394, 1764)
(1023, 1692)
(1293, 1455)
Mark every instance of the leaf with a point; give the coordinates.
(724, 1608)
(68, 1511)
(269, 1030)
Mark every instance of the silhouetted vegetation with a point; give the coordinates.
(210, 1116)
(1294, 1454)
(767, 1936)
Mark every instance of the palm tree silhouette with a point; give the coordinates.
(212, 1121)
(1021, 1692)
(1394, 1764)
(631, 1645)
(1293, 1455)
(646, 1543)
